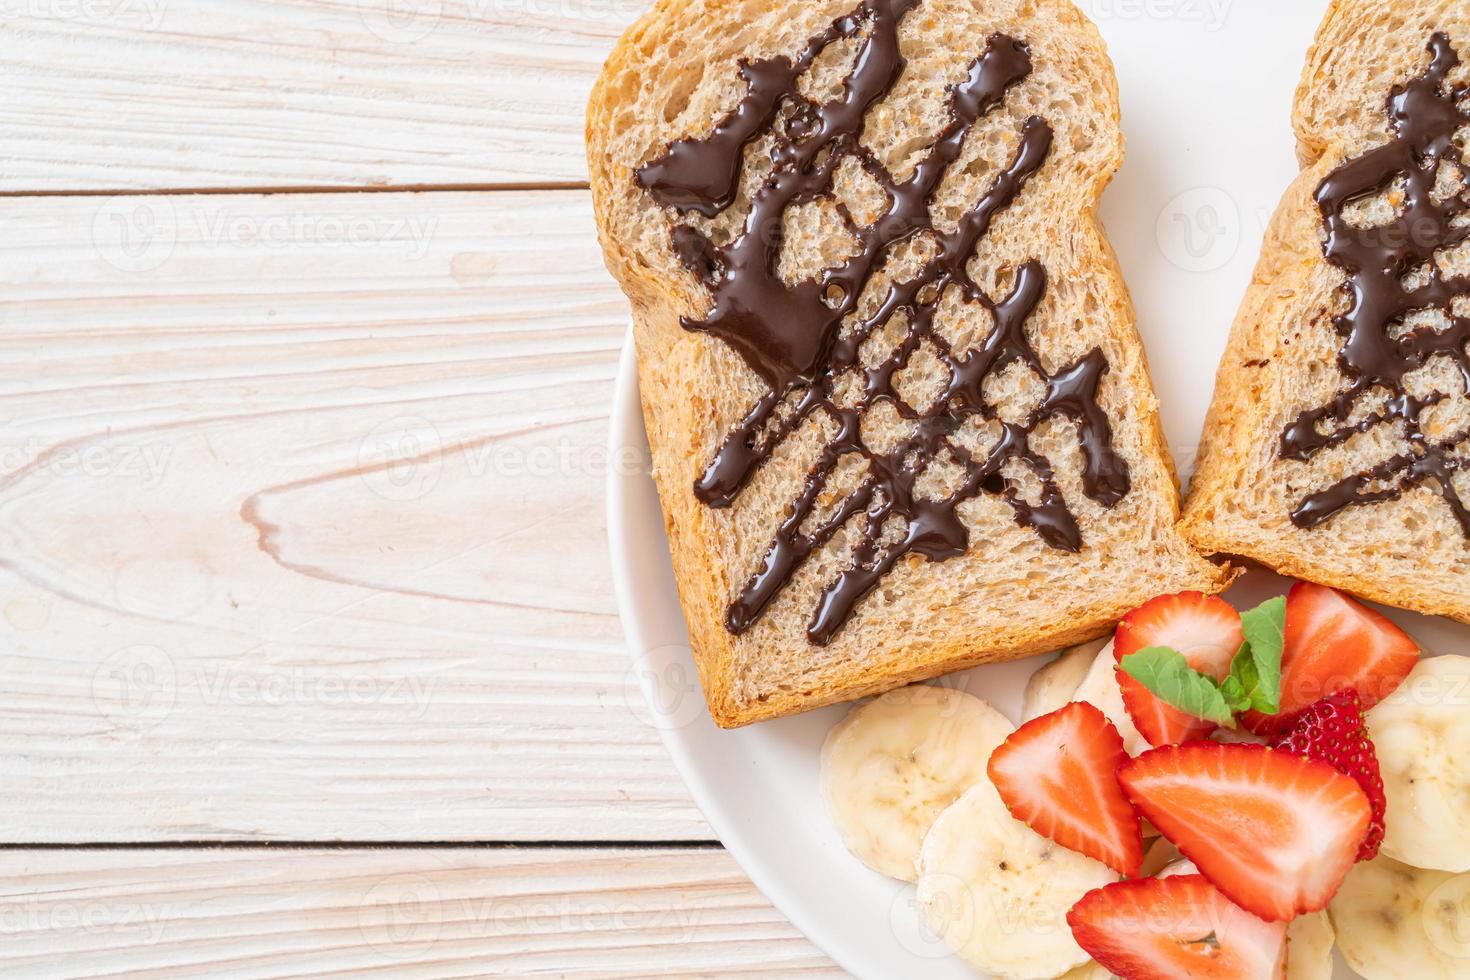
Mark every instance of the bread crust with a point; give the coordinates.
(1338, 115)
(678, 414)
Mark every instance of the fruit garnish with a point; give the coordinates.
(1168, 928)
(1058, 775)
(1174, 652)
(1333, 643)
(1189, 663)
(895, 763)
(997, 892)
(1394, 921)
(1333, 730)
(1422, 736)
(1275, 832)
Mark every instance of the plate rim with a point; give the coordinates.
(626, 429)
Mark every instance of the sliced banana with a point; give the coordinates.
(1090, 970)
(998, 893)
(1053, 686)
(1309, 941)
(1395, 922)
(1100, 689)
(892, 766)
(1422, 734)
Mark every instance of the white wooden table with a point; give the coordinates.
(310, 664)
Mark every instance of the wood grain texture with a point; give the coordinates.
(400, 913)
(254, 94)
(301, 525)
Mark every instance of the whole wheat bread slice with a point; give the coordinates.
(1007, 112)
(1312, 463)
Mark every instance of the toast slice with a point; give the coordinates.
(900, 417)
(1338, 445)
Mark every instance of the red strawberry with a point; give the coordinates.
(1203, 628)
(1275, 832)
(1058, 774)
(1334, 643)
(1332, 730)
(1167, 928)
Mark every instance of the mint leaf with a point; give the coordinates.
(1168, 677)
(1258, 665)
(1234, 687)
(1243, 687)
(1239, 688)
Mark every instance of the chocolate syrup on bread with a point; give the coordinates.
(804, 339)
(1378, 350)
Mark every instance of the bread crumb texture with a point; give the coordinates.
(1282, 359)
(675, 75)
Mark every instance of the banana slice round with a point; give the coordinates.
(1053, 686)
(998, 893)
(892, 766)
(1309, 942)
(1395, 922)
(1100, 689)
(1088, 971)
(1422, 734)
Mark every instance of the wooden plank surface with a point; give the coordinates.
(401, 913)
(255, 94)
(301, 525)
(290, 487)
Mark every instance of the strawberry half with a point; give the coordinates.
(1206, 629)
(1333, 730)
(1058, 775)
(1334, 643)
(1276, 832)
(1167, 928)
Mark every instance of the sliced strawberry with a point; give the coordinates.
(1275, 832)
(1167, 928)
(1334, 643)
(1203, 628)
(1058, 774)
(1333, 730)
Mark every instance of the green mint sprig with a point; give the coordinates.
(1254, 682)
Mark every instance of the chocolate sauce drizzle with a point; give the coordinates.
(802, 339)
(1426, 115)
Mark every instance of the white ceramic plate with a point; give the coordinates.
(1206, 88)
